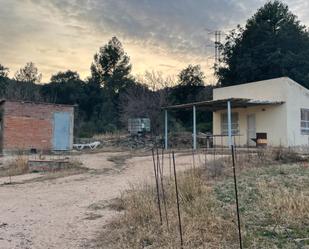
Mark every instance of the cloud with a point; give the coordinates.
(157, 34)
(177, 25)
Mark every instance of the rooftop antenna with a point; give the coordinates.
(217, 48)
(217, 41)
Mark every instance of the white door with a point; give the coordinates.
(251, 131)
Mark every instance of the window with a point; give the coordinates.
(304, 121)
(224, 124)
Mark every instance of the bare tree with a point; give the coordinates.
(28, 74)
(146, 98)
(156, 80)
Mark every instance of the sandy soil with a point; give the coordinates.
(56, 213)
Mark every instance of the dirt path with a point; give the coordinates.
(56, 214)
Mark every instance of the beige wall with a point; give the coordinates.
(298, 97)
(269, 119)
(281, 122)
(275, 90)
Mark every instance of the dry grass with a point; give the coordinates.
(74, 167)
(274, 206)
(16, 166)
(110, 135)
(19, 166)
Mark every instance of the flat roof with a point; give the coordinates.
(221, 104)
(36, 103)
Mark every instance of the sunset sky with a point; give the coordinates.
(160, 35)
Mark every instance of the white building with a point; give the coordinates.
(278, 107)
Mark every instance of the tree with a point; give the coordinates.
(111, 66)
(64, 88)
(272, 44)
(29, 74)
(26, 91)
(190, 85)
(156, 80)
(191, 76)
(64, 77)
(190, 88)
(3, 80)
(145, 99)
(4, 71)
(110, 76)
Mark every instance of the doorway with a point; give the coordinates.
(61, 132)
(251, 129)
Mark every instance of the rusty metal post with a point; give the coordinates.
(162, 188)
(177, 202)
(165, 130)
(157, 185)
(194, 127)
(236, 197)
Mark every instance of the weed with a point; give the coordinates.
(16, 166)
(274, 206)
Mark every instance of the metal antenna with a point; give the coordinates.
(217, 48)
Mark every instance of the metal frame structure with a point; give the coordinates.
(214, 105)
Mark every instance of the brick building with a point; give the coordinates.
(39, 126)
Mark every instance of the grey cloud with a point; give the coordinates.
(179, 25)
(170, 26)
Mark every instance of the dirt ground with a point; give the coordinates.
(58, 213)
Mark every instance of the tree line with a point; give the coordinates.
(111, 95)
(272, 44)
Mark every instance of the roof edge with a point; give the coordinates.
(36, 102)
(213, 104)
(258, 81)
(296, 83)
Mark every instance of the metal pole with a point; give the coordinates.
(177, 202)
(161, 171)
(166, 131)
(194, 127)
(236, 197)
(229, 123)
(155, 168)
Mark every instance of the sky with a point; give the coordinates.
(158, 35)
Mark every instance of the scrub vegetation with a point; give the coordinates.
(274, 208)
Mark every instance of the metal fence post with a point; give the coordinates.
(166, 130)
(194, 127)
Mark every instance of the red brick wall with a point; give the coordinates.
(34, 110)
(29, 125)
(21, 133)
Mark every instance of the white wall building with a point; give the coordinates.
(285, 119)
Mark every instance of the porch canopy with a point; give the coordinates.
(215, 105)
